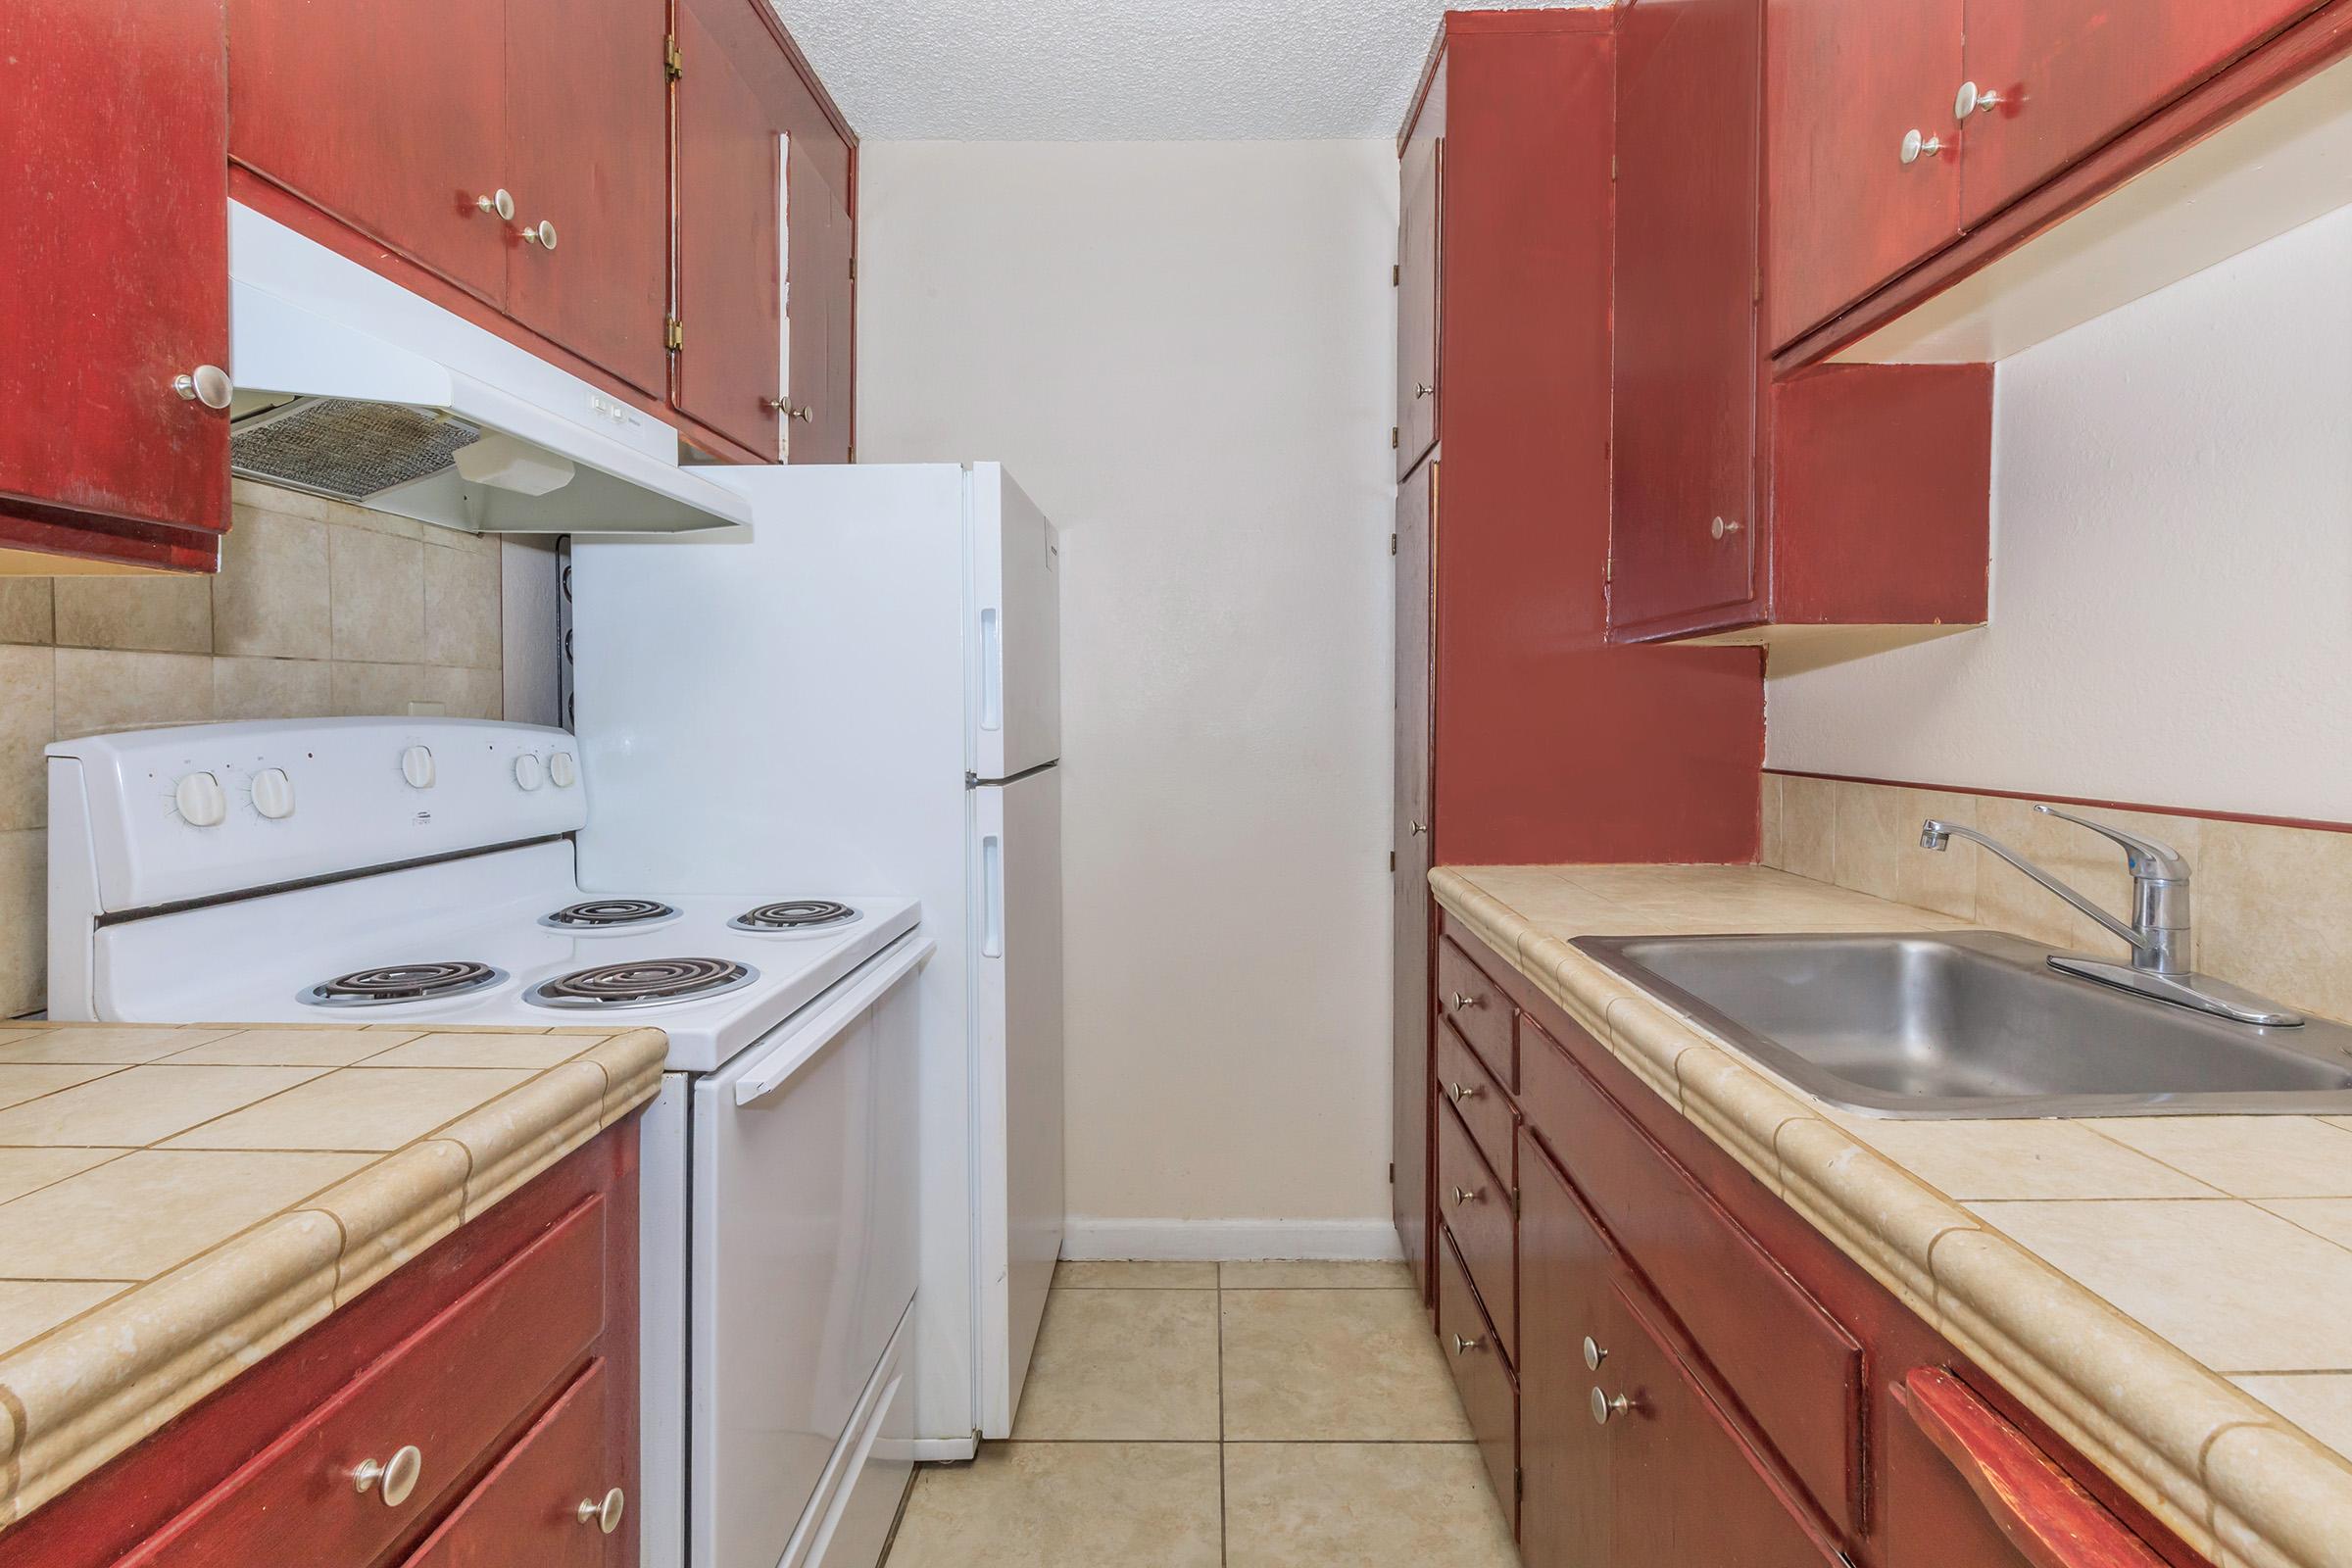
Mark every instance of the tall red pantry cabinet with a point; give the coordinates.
(1522, 734)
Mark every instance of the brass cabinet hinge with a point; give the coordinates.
(1391, 1173)
(1391, 544)
(673, 334)
(1395, 274)
(852, 269)
(1394, 439)
(673, 62)
(1391, 862)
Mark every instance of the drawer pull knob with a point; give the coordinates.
(1604, 1407)
(390, 1478)
(208, 384)
(1469, 1195)
(1593, 1354)
(499, 203)
(1422, 389)
(1462, 1346)
(1462, 1091)
(542, 235)
(1974, 99)
(605, 1515)
(1722, 526)
(1916, 146)
(1462, 1003)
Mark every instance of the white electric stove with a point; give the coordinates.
(420, 873)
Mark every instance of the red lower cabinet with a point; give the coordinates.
(547, 1504)
(1690, 1375)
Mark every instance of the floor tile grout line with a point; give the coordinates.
(1224, 1544)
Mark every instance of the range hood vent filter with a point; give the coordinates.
(346, 449)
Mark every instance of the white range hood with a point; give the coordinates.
(350, 386)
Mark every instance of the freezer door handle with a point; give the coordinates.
(799, 1041)
(991, 671)
(991, 896)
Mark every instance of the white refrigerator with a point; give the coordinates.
(862, 691)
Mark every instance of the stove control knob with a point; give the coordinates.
(200, 800)
(274, 794)
(529, 772)
(417, 766)
(561, 771)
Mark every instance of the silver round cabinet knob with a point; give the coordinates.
(1593, 1354)
(417, 766)
(1463, 1003)
(561, 771)
(605, 1514)
(1917, 146)
(805, 412)
(1462, 1346)
(1468, 1195)
(1722, 527)
(529, 771)
(200, 800)
(1462, 1091)
(1974, 99)
(1418, 829)
(541, 234)
(274, 794)
(208, 384)
(1422, 389)
(1604, 1407)
(390, 1478)
(498, 203)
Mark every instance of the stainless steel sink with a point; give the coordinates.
(1976, 1023)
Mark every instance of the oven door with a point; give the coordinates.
(803, 1251)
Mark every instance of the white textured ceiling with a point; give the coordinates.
(1118, 69)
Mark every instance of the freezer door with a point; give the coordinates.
(1016, 1015)
(1016, 628)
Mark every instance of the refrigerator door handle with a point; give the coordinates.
(991, 896)
(991, 671)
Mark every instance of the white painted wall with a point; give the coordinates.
(1184, 352)
(2172, 590)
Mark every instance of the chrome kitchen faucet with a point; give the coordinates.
(2158, 931)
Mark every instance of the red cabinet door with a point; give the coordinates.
(2068, 75)
(389, 115)
(1420, 223)
(114, 230)
(588, 153)
(1683, 395)
(816, 310)
(1844, 81)
(534, 1505)
(1565, 1269)
(730, 310)
(1409, 897)
(1669, 1444)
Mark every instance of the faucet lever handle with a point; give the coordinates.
(2149, 859)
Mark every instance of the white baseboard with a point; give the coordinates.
(1194, 1240)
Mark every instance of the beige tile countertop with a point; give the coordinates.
(2171, 1294)
(175, 1203)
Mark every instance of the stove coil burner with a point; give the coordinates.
(642, 983)
(793, 914)
(603, 915)
(403, 982)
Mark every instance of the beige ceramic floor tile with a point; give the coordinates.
(1123, 1364)
(1361, 1505)
(1072, 1274)
(1335, 1366)
(1066, 1506)
(19, 1082)
(142, 1104)
(134, 1217)
(101, 1044)
(2230, 1283)
(1302, 1275)
(292, 1048)
(2019, 1159)
(2245, 1156)
(31, 1309)
(484, 1050)
(26, 1170)
(358, 1107)
(2331, 1217)
(2320, 1403)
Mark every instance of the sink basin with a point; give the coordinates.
(1976, 1023)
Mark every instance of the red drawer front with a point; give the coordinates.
(1477, 1205)
(1794, 1369)
(1478, 1007)
(1490, 1398)
(1464, 1083)
(529, 1509)
(451, 1390)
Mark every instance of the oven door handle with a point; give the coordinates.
(799, 1041)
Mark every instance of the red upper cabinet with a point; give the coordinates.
(1684, 415)
(1420, 221)
(588, 156)
(819, 304)
(2054, 78)
(730, 309)
(1845, 85)
(387, 115)
(115, 282)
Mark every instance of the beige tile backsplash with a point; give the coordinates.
(320, 608)
(2273, 904)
